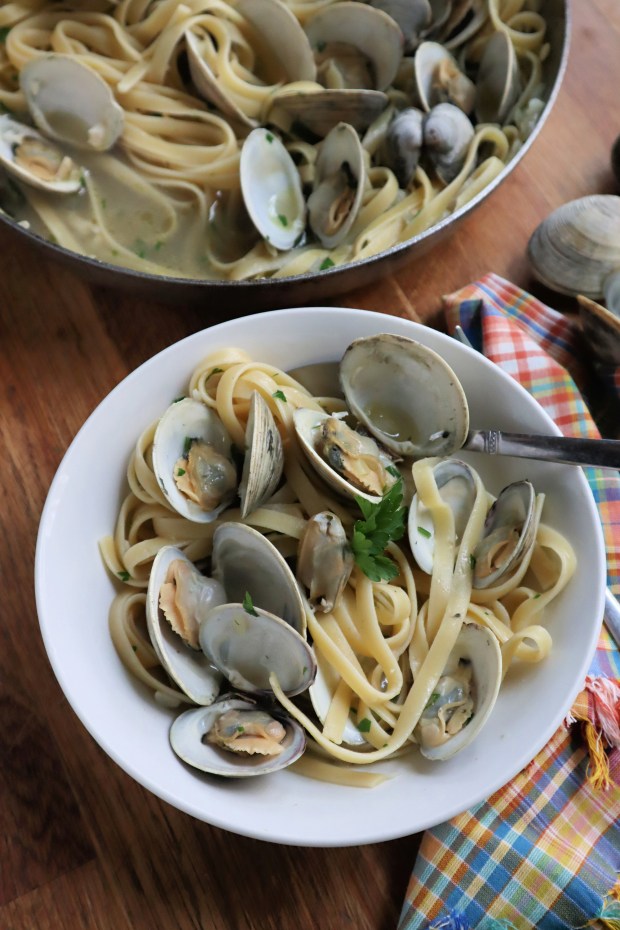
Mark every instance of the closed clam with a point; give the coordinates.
(447, 135)
(403, 144)
(577, 247)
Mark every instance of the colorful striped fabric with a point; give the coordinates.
(544, 851)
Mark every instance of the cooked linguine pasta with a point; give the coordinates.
(384, 645)
(167, 199)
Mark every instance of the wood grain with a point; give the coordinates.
(82, 846)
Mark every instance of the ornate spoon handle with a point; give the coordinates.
(604, 453)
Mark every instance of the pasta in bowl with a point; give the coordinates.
(199, 149)
(285, 805)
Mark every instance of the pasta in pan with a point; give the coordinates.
(168, 198)
(384, 647)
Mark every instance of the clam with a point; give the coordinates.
(264, 457)
(320, 110)
(285, 46)
(601, 330)
(498, 84)
(246, 562)
(338, 188)
(324, 560)
(403, 144)
(405, 395)
(178, 597)
(464, 696)
(577, 247)
(70, 102)
(31, 158)
(248, 644)
(448, 132)
(272, 190)
(355, 45)
(235, 738)
(509, 535)
(321, 694)
(350, 463)
(440, 80)
(457, 487)
(192, 461)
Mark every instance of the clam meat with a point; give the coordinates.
(324, 560)
(32, 158)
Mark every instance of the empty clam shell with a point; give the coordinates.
(405, 394)
(247, 646)
(576, 247)
(70, 102)
(272, 190)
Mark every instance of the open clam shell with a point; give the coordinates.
(308, 425)
(498, 84)
(272, 190)
(189, 668)
(184, 423)
(70, 102)
(321, 694)
(509, 535)
(339, 183)
(375, 35)
(477, 649)
(320, 109)
(405, 394)
(440, 80)
(577, 246)
(248, 646)
(264, 457)
(36, 161)
(246, 562)
(457, 488)
(189, 740)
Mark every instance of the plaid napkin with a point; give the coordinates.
(544, 851)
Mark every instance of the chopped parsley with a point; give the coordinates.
(383, 523)
(124, 576)
(364, 725)
(472, 561)
(432, 699)
(4, 33)
(214, 371)
(187, 445)
(326, 263)
(269, 137)
(536, 596)
(248, 605)
(240, 729)
(425, 533)
(283, 219)
(279, 395)
(180, 472)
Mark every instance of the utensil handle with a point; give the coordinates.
(604, 453)
(612, 616)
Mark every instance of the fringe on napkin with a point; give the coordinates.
(597, 710)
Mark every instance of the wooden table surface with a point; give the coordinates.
(82, 846)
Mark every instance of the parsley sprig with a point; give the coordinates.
(383, 523)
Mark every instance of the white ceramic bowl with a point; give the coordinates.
(74, 592)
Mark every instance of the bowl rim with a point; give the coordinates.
(284, 836)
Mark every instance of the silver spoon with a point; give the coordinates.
(322, 380)
(604, 453)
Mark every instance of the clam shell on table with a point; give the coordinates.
(577, 246)
(601, 329)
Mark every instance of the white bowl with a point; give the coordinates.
(74, 593)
